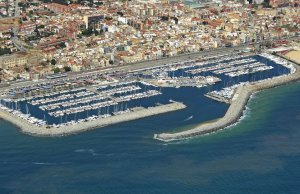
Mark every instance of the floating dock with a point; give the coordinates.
(217, 98)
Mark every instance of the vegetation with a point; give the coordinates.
(66, 2)
(96, 32)
(56, 70)
(266, 4)
(41, 26)
(4, 51)
(62, 45)
(31, 38)
(108, 18)
(164, 18)
(53, 62)
(27, 69)
(23, 6)
(47, 34)
(67, 68)
(87, 32)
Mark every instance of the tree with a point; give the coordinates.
(87, 32)
(27, 69)
(96, 32)
(4, 51)
(53, 62)
(111, 62)
(56, 70)
(62, 45)
(67, 68)
(164, 18)
(37, 31)
(266, 3)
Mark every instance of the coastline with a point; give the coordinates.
(34, 130)
(235, 110)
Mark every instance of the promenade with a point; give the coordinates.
(34, 130)
(130, 67)
(234, 112)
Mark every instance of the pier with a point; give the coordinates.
(217, 98)
(137, 113)
(235, 111)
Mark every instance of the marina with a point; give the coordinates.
(30, 125)
(238, 95)
(94, 97)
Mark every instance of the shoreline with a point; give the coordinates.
(34, 130)
(235, 110)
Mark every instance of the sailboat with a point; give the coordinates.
(27, 110)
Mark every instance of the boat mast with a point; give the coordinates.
(27, 110)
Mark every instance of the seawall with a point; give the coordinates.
(235, 110)
(34, 130)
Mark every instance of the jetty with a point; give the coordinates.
(137, 113)
(236, 109)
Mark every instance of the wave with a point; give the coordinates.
(43, 163)
(246, 114)
(89, 151)
(80, 150)
(189, 118)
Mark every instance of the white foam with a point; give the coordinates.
(246, 114)
(43, 163)
(189, 118)
(80, 150)
(89, 151)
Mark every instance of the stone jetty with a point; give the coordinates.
(235, 111)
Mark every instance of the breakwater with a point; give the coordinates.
(137, 113)
(235, 111)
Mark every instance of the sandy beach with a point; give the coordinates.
(293, 56)
(235, 111)
(34, 130)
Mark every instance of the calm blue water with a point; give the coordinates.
(259, 155)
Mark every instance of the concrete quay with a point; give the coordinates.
(234, 112)
(34, 130)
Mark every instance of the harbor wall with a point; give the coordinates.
(34, 130)
(235, 110)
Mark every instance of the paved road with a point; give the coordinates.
(135, 66)
(145, 64)
(162, 61)
(177, 58)
(15, 38)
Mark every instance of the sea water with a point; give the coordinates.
(261, 154)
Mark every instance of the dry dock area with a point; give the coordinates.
(235, 110)
(32, 129)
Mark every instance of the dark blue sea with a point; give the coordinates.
(261, 154)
